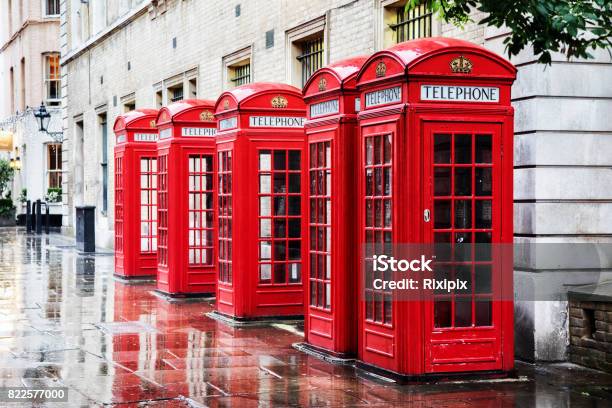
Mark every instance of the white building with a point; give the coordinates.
(141, 53)
(29, 75)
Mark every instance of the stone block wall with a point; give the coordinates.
(590, 326)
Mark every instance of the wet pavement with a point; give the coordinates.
(64, 321)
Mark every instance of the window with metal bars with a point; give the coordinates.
(200, 209)
(378, 221)
(311, 58)
(320, 225)
(280, 221)
(412, 24)
(225, 215)
(176, 94)
(52, 7)
(241, 74)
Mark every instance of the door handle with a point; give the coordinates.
(426, 215)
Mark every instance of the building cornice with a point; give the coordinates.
(107, 32)
(24, 26)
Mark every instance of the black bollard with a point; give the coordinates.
(28, 219)
(38, 217)
(46, 218)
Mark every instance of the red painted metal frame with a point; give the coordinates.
(330, 323)
(408, 344)
(240, 293)
(130, 130)
(187, 235)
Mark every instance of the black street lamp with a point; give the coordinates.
(43, 117)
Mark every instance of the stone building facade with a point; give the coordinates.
(29, 75)
(146, 53)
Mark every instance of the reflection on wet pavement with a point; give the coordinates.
(64, 321)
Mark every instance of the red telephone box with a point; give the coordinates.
(332, 134)
(436, 143)
(260, 150)
(135, 194)
(186, 195)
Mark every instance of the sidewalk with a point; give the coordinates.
(64, 321)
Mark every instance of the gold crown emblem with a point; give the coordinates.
(279, 102)
(322, 84)
(152, 123)
(226, 104)
(461, 64)
(381, 69)
(206, 116)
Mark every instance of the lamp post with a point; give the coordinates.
(44, 118)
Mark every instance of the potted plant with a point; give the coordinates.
(54, 195)
(7, 209)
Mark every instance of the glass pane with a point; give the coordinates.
(387, 181)
(463, 246)
(378, 213)
(463, 214)
(463, 181)
(264, 183)
(313, 155)
(280, 183)
(483, 149)
(295, 249)
(464, 274)
(483, 246)
(441, 272)
(443, 246)
(388, 308)
(484, 312)
(442, 181)
(265, 250)
(483, 181)
(295, 203)
(295, 272)
(378, 307)
(463, 148)
(387, 148)
(280, 275)
(483, 214)
(294, 160)
(265, 272)
(294, 228)
(264, 206)
(265, 228)
(369, 306)
(327, 154)
(368, 182)
(265, 160)
(442, 313)
(280, 159)
(442, 214)
(482, 279)
(294, 182)
(442, 148)
(377, 150)
(279, 228)
(280, 250)
(369, 150)
(387, 216)
(280, 207)
(463, 312)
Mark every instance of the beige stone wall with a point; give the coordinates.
(31, 36)
(96, 66)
